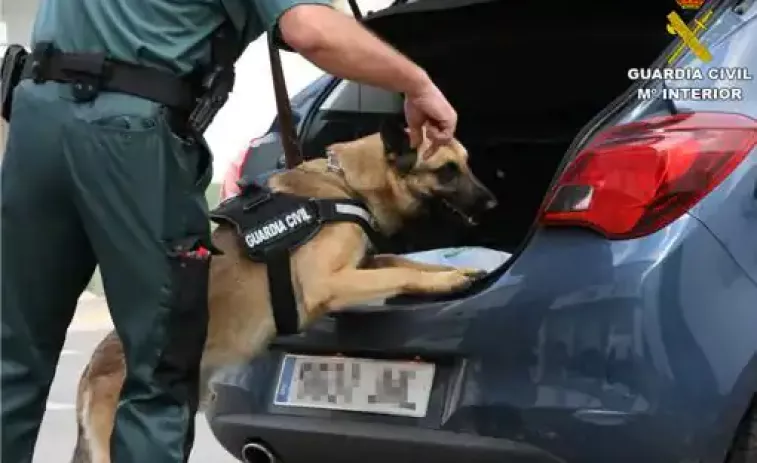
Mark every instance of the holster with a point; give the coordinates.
(218, 81)
(10, 75)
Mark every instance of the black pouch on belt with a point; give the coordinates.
(10, 76)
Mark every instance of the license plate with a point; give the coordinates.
(351, 384)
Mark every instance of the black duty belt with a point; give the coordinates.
(91, 73)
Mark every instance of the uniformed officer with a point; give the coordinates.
(100, 168)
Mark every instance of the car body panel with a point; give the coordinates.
(730, 211)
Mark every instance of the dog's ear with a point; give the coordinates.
(397, 147)
(364, 165)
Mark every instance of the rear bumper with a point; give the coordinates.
(296, 439)
(240, 415)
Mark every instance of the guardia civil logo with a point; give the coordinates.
(689, 37)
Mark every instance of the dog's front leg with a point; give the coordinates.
(348, 287)
(395, 261)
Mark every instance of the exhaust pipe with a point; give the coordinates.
(258, 452)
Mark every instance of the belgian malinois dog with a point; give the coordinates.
(333, 270)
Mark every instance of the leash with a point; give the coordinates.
(292, 151)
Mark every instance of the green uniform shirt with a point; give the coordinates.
(167, 34)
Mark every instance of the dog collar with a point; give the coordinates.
(332, 163)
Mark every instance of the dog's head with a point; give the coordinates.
(407, 181)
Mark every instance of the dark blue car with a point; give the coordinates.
(623, 325)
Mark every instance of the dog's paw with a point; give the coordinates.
(474, 273)
(443, 282)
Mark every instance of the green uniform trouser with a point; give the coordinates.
(103, 183)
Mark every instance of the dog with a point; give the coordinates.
(331, 271)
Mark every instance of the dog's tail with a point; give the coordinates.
(81, 451)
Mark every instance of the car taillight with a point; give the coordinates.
(634, 179)
(229, 186)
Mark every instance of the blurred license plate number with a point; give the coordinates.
(350, 384)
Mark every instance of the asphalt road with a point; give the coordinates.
(58, 432)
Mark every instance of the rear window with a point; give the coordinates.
(351, 96)
(350, 111)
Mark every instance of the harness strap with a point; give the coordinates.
(351, 210)
(91, 73)
(283, 300)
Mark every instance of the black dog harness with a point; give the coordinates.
(271, 225)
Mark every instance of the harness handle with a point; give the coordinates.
(292, 151)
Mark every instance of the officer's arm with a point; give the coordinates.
(340, 45)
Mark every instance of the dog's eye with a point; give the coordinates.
(448, 172)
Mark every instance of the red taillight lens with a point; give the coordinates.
(229, 186)
(635, 179)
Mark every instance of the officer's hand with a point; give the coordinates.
(429, 107)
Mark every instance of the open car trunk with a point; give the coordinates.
(525, 77)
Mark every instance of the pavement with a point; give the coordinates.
(58, 432)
